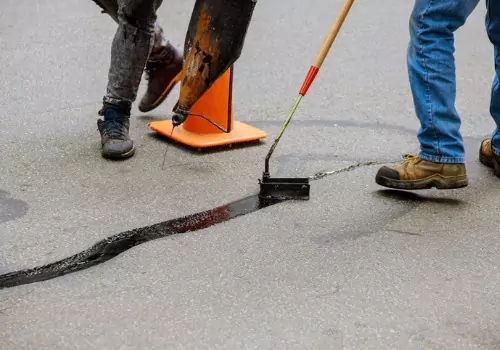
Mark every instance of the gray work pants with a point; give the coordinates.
(137, 38)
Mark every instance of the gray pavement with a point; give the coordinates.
(357, 267)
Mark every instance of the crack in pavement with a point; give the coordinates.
(113, 246)
(408, 233)
(322, 175)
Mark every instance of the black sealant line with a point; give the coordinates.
(115, 245)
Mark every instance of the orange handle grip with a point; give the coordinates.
(327, 44)
(313, 71)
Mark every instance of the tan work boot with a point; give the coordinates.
(418, 174)
(488, 158)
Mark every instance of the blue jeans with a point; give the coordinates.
(431, 69)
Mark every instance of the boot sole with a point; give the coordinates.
(163, 96)
(436, 181)
(496, 169)
(484, 161)
(119, 155)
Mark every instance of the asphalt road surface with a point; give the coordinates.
(356, 267)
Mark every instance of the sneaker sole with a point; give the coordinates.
(436, 181)
(119, 155)
(163, 96)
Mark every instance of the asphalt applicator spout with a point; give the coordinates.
(179, 117)
(214, 42)
(299, 188)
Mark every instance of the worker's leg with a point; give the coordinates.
(110, 7)
(163, 67)
(491, 146)
(130, 49)
(431, 69)
(160, 43)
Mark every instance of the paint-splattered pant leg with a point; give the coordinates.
(160, 41)
(130, 50)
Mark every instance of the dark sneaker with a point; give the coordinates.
(488, 158)
(162, 73)
(115, 139)
(418, 174)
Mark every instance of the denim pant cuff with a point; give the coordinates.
(440, 159)
(496, 151)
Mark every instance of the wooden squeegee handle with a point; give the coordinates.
(327, 44)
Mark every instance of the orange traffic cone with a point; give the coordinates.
(217, 105)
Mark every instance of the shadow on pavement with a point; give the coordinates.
(413, 197)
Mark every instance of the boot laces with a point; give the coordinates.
(114, 129)
(409, 158)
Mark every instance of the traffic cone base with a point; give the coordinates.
(240, 132)
(215, 104)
